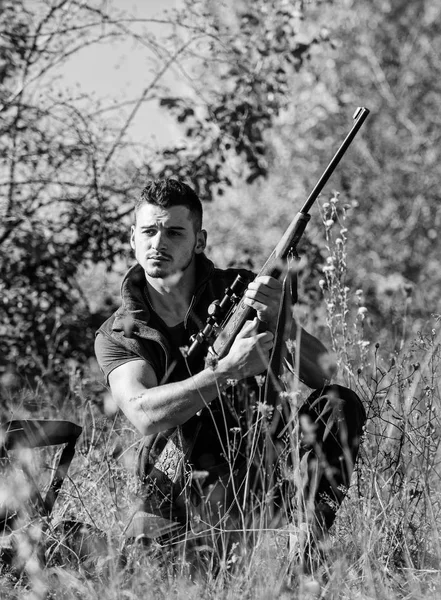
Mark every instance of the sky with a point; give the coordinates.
(120, 70)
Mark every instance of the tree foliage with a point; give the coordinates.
(270, 89)
(63, 190)
(250, 54)
(68, 176)
(386, 56)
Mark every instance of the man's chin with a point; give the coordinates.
(169, 277)
(157, 272)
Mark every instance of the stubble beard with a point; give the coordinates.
(174, 276)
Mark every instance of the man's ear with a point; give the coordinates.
(201, 241)
(132, 237)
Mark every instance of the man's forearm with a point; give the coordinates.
(165, 406)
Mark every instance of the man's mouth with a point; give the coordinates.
(158, 257)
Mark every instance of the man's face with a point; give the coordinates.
(165, 240)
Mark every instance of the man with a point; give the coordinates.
(201, 467)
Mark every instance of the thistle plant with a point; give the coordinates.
(345, 314)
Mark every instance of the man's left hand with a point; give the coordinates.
(264, 295)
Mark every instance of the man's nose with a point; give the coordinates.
(158, 241)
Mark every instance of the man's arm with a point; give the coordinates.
(153, 408)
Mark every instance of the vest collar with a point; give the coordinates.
(134, 312)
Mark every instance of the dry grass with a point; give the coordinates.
(385, 543)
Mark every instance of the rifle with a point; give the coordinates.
(227, 316)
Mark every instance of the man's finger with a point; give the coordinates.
(250, 328)
(266, 280)
(266, 338)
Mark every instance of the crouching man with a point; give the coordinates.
(202, 468)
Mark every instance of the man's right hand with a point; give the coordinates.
(249, 354)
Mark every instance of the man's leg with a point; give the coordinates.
(331, 424)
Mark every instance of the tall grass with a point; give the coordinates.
(384, 544)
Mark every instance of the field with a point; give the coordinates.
(253, 99)
(384, 544)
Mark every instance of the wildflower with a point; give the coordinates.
(339, 241)
(363, 343)
(291, 346)
(265, 409)
(184, 351)
(199, 475)
(329, 223)
(326, 205)
(362, 312)
(293, 396)
(330, 260)
(322, 283)
(231, 382)
(260, 380)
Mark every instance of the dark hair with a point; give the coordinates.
(171, 192)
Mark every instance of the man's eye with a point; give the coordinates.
(173, 233)
(149, 232)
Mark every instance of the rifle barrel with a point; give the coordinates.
(360, 116)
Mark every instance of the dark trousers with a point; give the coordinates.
(331, 424)
(330, 427)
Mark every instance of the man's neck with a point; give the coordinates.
(170, 298)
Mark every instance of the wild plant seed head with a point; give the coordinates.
(184, 351)
(260, 380)
(291, 346)
(265, 409)
(362, 312)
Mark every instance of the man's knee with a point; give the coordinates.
(336, 402)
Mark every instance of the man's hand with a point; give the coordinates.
(249, 354)
(264, 295)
